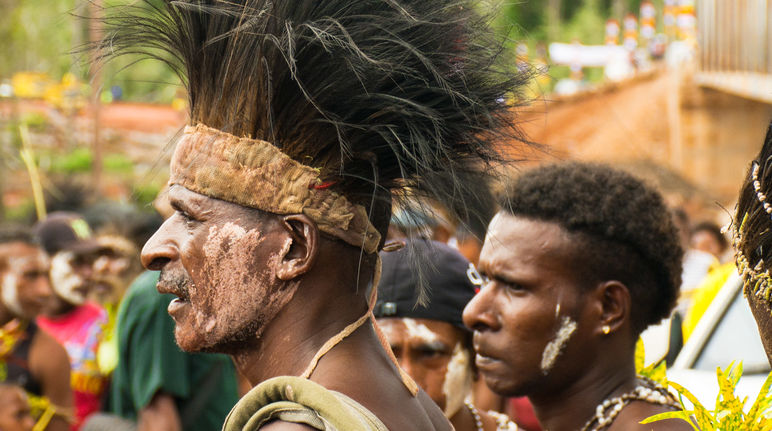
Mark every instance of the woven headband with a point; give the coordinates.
(256, 174)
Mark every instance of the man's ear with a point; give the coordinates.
(298, 258)
(614, 300)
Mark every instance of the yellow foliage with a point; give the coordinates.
(729, 413)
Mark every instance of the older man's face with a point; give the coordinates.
(217, 258)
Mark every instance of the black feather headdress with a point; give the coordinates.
(752, 225)
(378, 95)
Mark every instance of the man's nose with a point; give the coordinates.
(159, 249)
(479, 313)
(43, 287)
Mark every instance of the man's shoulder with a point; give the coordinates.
(285, 426)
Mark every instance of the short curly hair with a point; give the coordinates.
(624, 223)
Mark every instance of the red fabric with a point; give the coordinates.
(521, 412)
(80, 332)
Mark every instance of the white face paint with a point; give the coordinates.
(458, 380)
(554, 347)
(10, 294)
(419, 331)
(67, 284)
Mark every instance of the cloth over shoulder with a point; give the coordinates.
(297, 400)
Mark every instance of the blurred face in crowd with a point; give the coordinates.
(26, 289)
(527, 318)
(434, 354)
(14, 409)
(219, 259)
(114, 269)
(706, 241)
(71, 276)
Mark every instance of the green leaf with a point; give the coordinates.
(683, 415)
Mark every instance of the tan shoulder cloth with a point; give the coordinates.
(298, 400)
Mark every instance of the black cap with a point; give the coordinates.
(445, 275)
(65, 231)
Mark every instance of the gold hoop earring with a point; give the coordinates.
(606, 329)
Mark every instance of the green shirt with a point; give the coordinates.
(149, 361)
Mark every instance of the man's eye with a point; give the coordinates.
(189, 221)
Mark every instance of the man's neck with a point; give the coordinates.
(290, 341)
(571, 408)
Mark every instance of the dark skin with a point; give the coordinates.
(762, 312)
(82, 264)
(427, 360)
(48, 361)
(287, 259)
(532, 293)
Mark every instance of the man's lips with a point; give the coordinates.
(164, 288)
(483, 361)
(175, 306)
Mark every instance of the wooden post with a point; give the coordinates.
(95, 34)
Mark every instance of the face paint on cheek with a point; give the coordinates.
(10, 294)
(234, 295)
(554, 347)
(65, 280)
(419, 331)
(458, 380)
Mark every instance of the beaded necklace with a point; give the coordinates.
(477, 419)
(609, 409)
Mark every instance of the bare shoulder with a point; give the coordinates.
(435, 415)
(634, 413)
(285, 426)
(47, 353)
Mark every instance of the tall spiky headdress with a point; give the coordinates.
(336, 105)
(752, 226)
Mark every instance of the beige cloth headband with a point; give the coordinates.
(256, 174)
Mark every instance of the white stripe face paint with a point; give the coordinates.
(419, 331)
(65, 281)
(556, 346)
(458, 380)
(10, 294)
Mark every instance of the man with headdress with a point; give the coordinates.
(752, 229)
(306, 117)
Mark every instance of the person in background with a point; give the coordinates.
(696, 264)
(431, 342)
(579, 261)
(29, 357)
(706, 236)
(15, 413)
(76, 323)
(116, 267)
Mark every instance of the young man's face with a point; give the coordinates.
(14, 410)
(527, 319)
(434, 354)
(217, 258)
(26, 289)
